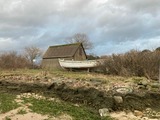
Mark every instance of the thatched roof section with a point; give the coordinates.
(62, 51)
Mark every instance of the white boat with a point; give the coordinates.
(78, 64)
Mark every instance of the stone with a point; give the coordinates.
(158, 114)
(76, 105)
(49, 80)
(18, 96)
(145, 83)
(118, 99)
(123, 90)
(145, 118)
(141, 87)
(155, 85)
(104, 112)
(138, 113)
(148, 111)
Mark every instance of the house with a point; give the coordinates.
(68, 51)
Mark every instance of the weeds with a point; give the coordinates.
(56, 109)
(22, 111)
(7, 102)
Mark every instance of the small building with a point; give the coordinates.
(68, 51)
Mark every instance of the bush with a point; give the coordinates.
(134, 63)
(12, 60)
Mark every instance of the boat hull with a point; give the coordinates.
(77, 64)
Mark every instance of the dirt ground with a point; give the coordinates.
(31, 116)
(28, 116)
(93, 93)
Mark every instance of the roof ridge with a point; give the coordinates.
(78, 43)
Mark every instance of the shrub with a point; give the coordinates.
(11, 60)
(134, 63)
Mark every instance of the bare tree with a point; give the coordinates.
(81, 37)
(32, 53)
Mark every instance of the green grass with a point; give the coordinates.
(58, 108)
(7, 118)
(51, 108)
(7, 102)
(22, 111)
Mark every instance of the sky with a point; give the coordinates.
(113, 26)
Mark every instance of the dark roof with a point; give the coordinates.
(62, 51)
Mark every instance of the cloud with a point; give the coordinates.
(112, 25)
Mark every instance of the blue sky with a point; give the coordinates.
(113, 26)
